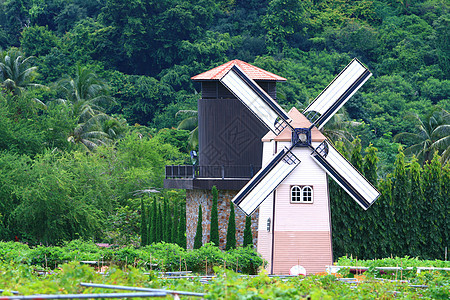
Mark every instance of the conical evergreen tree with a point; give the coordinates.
(434, 212)
(166, 222)
(175, 224)
(198, 234)
(154, 223)
(144, 227)
(214, 233)
(248, 237)
(231, 230)
(356, 213)
(182, 229)
(415, 209)
(160, 224)
(150, 235)
(400, 238)
(371, 222)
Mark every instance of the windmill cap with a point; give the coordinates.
(253, 72)
(298, 121)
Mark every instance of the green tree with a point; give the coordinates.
(284, 18)
(144, 226)
(16, 74)
(154, 222)
(175, 224)
(248, 236)
(189, 123)
(432, 135)
(198, 233)
(231, 230)
(85, 93)
(214, 227)
(434, 211)
(182, 229)
(415, 209)
(400, 199)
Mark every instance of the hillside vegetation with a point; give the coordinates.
(90, 91)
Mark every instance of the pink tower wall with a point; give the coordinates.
(302, 233)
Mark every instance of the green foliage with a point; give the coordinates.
(248, 236)
(198, 239)
(214, 227)
(144, 226)
(231, 230)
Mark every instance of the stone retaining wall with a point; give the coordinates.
(204, 197)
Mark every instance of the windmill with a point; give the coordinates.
(291, 190)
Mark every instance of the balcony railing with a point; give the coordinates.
(223, 172)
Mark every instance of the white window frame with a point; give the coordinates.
(297, 194)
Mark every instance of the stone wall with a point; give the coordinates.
(204, 197)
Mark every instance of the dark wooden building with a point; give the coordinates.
(230, 147)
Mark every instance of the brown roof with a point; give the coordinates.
(253, 72)
(298, 121)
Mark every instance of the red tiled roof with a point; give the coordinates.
(298, 121)
(253, 72)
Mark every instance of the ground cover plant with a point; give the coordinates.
(157, 256)
(66, 279)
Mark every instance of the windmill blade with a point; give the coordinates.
(337, 93)
(256, 99)
(266, 181)
(358, 187)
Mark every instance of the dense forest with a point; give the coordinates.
(90, 92)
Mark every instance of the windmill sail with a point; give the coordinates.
(265, 181)
(337, 93)
(361, 190)
(256, 99)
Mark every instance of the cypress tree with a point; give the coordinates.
(166, 222)
(371, 223)
(400, 237)
(154, 223)
(149, 225)
(415, 209)
(384, 207)
(357, 214)
(160, 224)
(231, 230)
(445, 196)
(214, 228)
(434, 213)
(144, 227)
(248, 237)
(174, 225)
(181, 240)
(340, 213)
(198, 234)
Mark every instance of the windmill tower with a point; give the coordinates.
(291, 189)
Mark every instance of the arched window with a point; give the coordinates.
(296, 194)
(302, 194)
(307, 194)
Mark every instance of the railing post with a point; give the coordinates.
(223, 172)
(193, 171)
(171, 167)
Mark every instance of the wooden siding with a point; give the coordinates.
(229, 134)
(216, 90)
(302, 231)
(310, 249)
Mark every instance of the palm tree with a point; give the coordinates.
(90, 134)
(16, 73)
(190, 122)
(86, 93)
(432, 135)
(337, 128)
